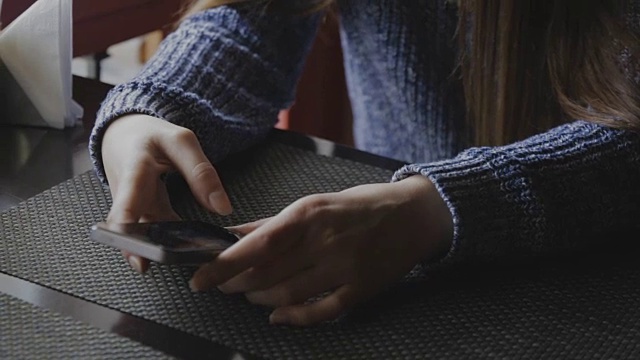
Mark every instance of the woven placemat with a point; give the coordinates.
(29, 332)
(586, 309)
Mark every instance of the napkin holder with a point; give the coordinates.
(35, 68)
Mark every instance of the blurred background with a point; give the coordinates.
(113, 39)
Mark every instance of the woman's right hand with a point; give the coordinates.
(136, 151)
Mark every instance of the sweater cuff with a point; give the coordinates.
(168, 103)
(471, 188)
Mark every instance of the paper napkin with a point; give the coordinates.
(35, 67)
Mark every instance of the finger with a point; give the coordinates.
(163, 211)
(297, 289)
(245, 229)
(138, 263)
(185, 153)
(129, 200)
(325, 309)
(127, 208)
(268, 275)
(262, 246)
(162, 215)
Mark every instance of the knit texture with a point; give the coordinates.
(226, 72)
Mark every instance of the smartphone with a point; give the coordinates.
(167, 242)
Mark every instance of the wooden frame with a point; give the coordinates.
(99, 24)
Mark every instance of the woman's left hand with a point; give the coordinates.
(353, 244)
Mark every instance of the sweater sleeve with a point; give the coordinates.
(225, 73)
(554, 192)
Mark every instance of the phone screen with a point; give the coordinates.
(179, 235)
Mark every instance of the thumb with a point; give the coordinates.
(245, 229)
(184, 151)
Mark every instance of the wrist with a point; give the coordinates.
(431, 217)
(123, 121)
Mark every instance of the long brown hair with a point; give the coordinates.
(527, 65)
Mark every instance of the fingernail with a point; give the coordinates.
(135, 263)
(198, 280)
(218, 200)
(193, 286)
(277, 318)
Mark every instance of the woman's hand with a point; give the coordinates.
(136, 151)
(352, 244)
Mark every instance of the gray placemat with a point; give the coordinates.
(585, 310)
(29, 332)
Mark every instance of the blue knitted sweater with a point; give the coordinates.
(226, 73)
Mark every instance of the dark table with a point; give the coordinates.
(578, 306)
(33, 160)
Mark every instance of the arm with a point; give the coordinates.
(551, 192)
(556, 191)
(224, 74)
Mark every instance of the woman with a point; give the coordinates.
(547, 93)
